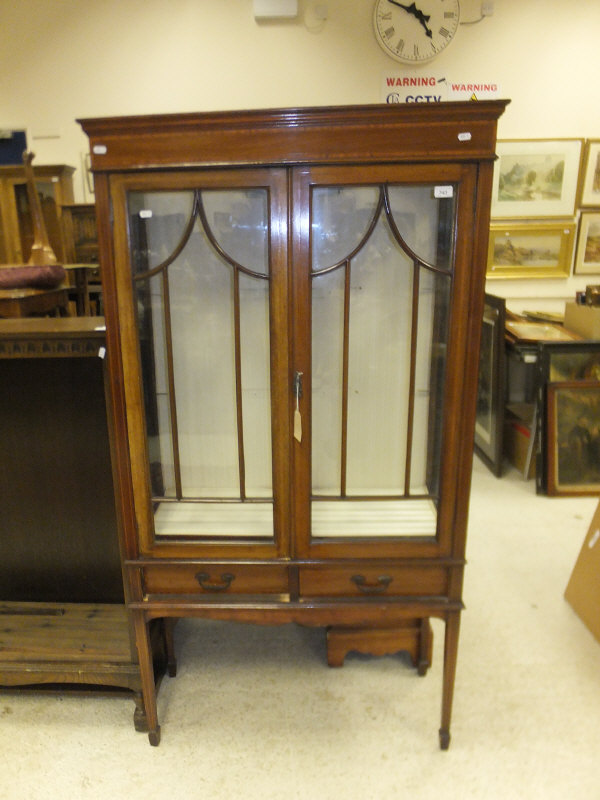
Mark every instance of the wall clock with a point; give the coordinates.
(415, 32)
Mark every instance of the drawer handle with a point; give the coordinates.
(203, 579)
(383, 581)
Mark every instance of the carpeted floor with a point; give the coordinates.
(256, 713)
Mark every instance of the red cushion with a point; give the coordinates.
(31, 277)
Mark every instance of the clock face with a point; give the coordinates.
(414, 31)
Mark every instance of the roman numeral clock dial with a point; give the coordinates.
(417, 31)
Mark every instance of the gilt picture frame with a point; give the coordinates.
(590, 186)
(587, 256)
(536, 178)
(531, 250)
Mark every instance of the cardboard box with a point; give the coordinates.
(584, 320)
(518, 444)
(583, 589)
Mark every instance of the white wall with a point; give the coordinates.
(63, 59)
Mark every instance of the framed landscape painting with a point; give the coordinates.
(590, 194)
(531, 250)
(536, 178)
(587, 259)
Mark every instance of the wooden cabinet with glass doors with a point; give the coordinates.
(293, 302)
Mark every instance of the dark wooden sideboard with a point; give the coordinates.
(62, 602)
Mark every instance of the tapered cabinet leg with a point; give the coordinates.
(450, 656)
(425, 646)
(144, 647)
(140, 722)
(169, 628)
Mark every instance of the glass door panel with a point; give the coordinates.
(380, 291)
(201, 273)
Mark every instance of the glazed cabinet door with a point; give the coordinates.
(201, 297)
(380, 281)
(295, 340)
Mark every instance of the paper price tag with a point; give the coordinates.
(297, 426)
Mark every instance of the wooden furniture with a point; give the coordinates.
(293, 302)
(81, 254)
(34, 302)
(80, 234)
(55, 188)
(80, 279)
(62, 604)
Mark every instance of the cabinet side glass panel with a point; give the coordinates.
(200, 262)
(381, 279)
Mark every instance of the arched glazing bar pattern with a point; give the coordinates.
(383, 211)
(197, 222)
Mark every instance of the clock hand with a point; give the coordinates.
(417, 13)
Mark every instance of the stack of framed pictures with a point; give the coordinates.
(545, 209)
(546, 224)
(522, 420)
(568, 410)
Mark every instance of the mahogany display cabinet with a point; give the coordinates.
(293, 301)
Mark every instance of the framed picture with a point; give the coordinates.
(587, 257)
(573, 440)
(489, 421)
(536, 178)
(524, 332)
(590, 190)
(557, 362)
(531, 250)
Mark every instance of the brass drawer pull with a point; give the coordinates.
(203, 579)
(383, 581)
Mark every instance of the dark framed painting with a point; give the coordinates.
(557, 362)
(489, 420)
(573, 438)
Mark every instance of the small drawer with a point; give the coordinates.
(373, 581)
(215, 579)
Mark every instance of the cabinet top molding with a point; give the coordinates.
(39, 170)
(460, 131)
